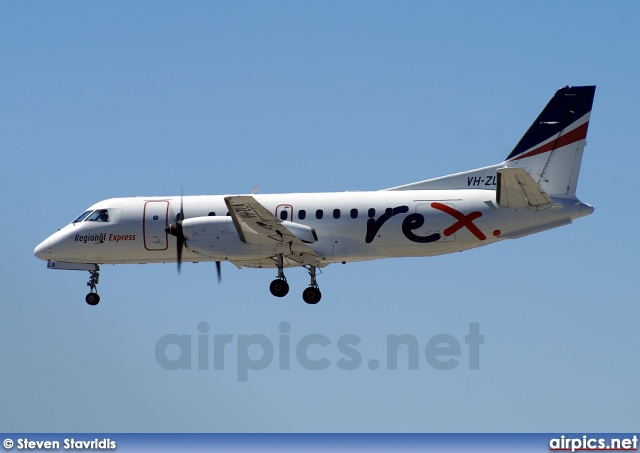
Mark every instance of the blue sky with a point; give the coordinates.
(110, 99)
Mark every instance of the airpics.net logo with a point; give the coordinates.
(250, 353)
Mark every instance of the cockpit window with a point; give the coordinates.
(82, 216)
(100, 215)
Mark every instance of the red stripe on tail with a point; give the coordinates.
(579, 133)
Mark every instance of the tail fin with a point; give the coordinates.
(551, 150)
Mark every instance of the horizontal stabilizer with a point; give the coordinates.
(517, 189)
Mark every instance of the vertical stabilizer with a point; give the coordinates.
(551, 150)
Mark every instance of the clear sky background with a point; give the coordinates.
(112, 99)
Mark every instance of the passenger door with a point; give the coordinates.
(156, 215)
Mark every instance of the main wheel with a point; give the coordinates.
(279, 288)
(311, 295)
(92, 298)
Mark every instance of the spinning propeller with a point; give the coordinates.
(175, 229)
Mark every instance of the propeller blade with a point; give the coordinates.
(180, 242)
(181, 213)
(175, 229)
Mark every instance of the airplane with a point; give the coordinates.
(532, 190)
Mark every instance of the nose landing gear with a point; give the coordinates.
(93, 298)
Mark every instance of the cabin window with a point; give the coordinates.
(336, 213)
(354, 213)
(284, 215)
(82, 216)
(371, 213)
(302, 214)
(212, 213)
(319, 214)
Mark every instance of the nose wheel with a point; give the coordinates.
(93, 298)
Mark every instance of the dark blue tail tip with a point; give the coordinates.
(569, 104)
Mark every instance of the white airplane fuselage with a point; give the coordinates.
(354, 226)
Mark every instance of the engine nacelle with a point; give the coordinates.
(208, 226)
(303, 232)
(219, 225)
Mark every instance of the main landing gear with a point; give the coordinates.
(93, 298)
(312, 294)
(279, 287)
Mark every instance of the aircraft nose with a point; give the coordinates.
(43, 251)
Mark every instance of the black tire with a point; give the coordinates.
(311, 295)
(92, 298)
(279, 288)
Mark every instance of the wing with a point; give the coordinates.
(256, 225)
